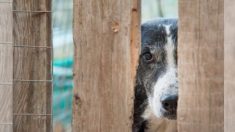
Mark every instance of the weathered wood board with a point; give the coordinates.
(107, 41)
(229, 62)
(201, 66)
(6, 63)
(32, 74)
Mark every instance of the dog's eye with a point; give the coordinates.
(148, 57)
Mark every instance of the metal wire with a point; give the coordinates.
(32, 80)
(5, 43)
(6, 123)
(30, 114)
(26, 46)
(6, 2)
(29, 11)
(6, 83)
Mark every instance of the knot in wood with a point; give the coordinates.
(115, 27)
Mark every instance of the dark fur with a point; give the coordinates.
(152, 35)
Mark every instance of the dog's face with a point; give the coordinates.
(157, 70)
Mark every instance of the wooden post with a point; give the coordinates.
(229, 62)
(32, 65)
(107, 42)
(6, 63)
(201, 66)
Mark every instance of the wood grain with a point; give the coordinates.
(6, 66)
(201, 66)
(106, 36)
(32, 66)
(229, 62)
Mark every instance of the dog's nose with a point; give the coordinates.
(169, 103)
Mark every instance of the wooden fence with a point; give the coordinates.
(107, 43)
(106, 50)
(6, 66)
(229, 62)
(32, 65)
(25, 53)
(201, 66)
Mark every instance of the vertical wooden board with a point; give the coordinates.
(201, 66)
(34, 26)
(229, 62)
(6, 128)
(6, 104)
(6, 63)
(6, 21)
(33, 98)
(106, 35)
(32, 66)
(32, 124)
(39, 66)
(6, 119)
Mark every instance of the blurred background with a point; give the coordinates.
(63, 53)
(62, 64)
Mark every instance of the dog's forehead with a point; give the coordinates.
(154, 35)
(155, 32)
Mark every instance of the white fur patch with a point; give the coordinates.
(170, 47)
(162, 86)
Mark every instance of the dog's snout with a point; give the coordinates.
(169, 103)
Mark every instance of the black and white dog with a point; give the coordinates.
(156, 90)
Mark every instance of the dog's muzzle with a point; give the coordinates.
(169, 104)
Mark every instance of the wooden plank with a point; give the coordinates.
(201, 66)
(6, 63)
(229, 61)
(32, 66)
(106, 35)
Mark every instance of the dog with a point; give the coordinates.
(156, 89)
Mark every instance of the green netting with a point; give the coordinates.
(63, 92)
